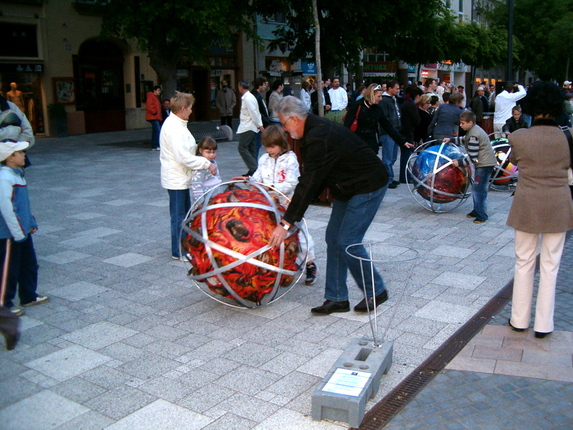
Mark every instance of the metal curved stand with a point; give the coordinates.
(398, 254)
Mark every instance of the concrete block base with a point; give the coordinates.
(351, 382)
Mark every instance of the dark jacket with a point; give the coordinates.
(314, 100)
(262, 109)
(511, 124)
(389, 106)
(371, 116)
(476, 105)
(410, 119)
(445, 121)
(421, 133)
(333, 157)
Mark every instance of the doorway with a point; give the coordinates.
(98, 70)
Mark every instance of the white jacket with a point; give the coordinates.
(504, 102)
(177, 156)
(282, 173)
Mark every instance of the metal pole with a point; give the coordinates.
(509, 73)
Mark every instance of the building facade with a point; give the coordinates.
(53, 53)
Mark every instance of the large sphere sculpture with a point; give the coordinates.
(505, 172)
(434, 182)
(225, 239)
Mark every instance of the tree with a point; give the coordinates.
(417, 31)
(543, 35)
(173, 31)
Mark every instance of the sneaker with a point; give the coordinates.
(393, 184)
(311, 271)
(479, 221)
(39, 300)
(17, 311)
(472, 214)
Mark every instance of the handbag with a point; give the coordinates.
(354, 125)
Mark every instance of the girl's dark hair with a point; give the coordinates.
(274, 135)
(206, 142)
(544, 98)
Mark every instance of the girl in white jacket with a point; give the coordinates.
(279, 168)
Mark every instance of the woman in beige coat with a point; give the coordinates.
(542, 207)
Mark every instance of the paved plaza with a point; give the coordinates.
(128, 342)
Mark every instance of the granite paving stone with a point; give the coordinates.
(40, 411)
(68, 362)
(128, 341)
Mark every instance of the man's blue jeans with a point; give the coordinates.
(479, 192)
(348, 224)
(155, 130)
(389, 154)
(179, 205)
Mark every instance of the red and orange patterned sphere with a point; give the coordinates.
(224, 240)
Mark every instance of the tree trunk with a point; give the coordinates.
(318, 58)
(166, 68)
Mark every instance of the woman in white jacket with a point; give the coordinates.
(279, 169)
(178, 161)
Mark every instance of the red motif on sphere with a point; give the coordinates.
(245, 230)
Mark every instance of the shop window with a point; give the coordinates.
(18, 40)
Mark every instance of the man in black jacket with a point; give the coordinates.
(335, 157)
(325, 97)
(261, 85)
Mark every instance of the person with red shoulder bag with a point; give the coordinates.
(370, 117)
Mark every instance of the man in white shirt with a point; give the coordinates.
(504, 102)
(249, 126)
(338, 101)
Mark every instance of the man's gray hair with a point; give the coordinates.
(245, 84)
(291, 106)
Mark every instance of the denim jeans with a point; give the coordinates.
(22, 272)
(179, 205)
(389, 154)
(247, 150)
(348, 224)
(155, 130)
(479, 191)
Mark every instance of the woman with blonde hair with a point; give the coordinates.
(370, 116)
(421, 131)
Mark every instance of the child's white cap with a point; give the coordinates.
(8, 147)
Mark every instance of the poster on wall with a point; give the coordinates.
(64, 91)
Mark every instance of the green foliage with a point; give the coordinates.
(171, 31)
(417, 31)
(543, 35)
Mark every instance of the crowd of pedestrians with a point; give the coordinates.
(352, 151)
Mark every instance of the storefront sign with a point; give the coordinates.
(22, 67)
(308, 68)
(380, 67)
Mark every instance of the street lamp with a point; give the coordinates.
(509, 72)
